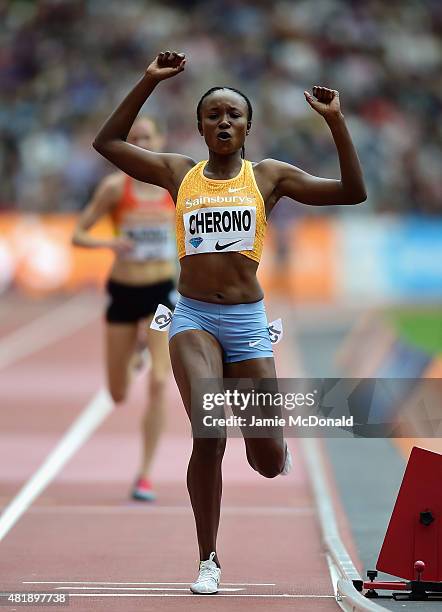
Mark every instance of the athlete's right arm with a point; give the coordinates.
(104, 199)
(163, 169)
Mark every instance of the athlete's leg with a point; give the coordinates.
(265, 455)
(154, 417)
(120, 344)
(197, 354)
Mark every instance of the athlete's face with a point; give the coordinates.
(224, 121)
(144, 134)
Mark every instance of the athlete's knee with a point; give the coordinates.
(268, 465)
(117, 390)
(157, 381)
(269, 470)
(209, 449)
(118, 393)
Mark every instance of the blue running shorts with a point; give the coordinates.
(241, 329)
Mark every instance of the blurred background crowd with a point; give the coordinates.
(65, 64)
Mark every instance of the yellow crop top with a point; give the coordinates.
(220, 216)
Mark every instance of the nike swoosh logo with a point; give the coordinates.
(235, 189)
(255, 342)
(221, 247)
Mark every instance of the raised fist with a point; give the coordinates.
(166, 64)
(326, 103)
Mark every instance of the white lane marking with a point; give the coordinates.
(224, 591)
(172, 510)
(147, 583)
(268, 595)
(58, 323)
(341, 568)
(326, 512)
(334, 573)
(227, 589)
(82, 428)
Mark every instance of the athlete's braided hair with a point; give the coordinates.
(213, 89)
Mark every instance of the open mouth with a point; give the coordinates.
(224, 136)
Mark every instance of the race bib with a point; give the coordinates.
(162, 318)
(276, 331)
(150, 242)
(220, 229)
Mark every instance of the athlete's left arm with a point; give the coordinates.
(295, 183)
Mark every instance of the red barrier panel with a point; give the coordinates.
(415, 531)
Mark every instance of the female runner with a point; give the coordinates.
(219, 327)
(141, 277)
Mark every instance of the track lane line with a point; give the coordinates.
(342, 571)
(60, 322)
(82, 428)
(172, 510)
(263, 595)
(71, 582)
(168, 588)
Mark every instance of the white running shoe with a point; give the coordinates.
(288, 463)
(208, 579)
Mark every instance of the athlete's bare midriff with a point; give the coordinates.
(227, 278)
(142, 272)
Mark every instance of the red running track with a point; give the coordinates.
(84, 536)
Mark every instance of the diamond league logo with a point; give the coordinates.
(195, 242)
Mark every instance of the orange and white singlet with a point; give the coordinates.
(148, 223)
(220, 216)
